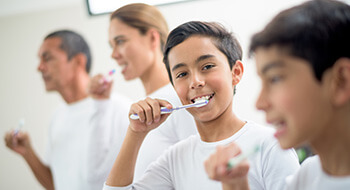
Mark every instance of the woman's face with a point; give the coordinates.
(131, 49)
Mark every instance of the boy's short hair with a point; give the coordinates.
(221, 38)
(73, 43)
(317, 31)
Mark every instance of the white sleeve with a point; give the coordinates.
(106, 187)
(277, 165)
(107, 128)
(157, 176)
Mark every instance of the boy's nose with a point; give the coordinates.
(262, 101)
(197, 81)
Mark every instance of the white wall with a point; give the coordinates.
(23, 93)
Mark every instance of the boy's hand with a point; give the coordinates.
(216, 168)
(148, 111)
(99, 87)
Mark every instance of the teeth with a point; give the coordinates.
(201, 98)
(279, 124)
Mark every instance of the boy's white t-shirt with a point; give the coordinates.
(182, 166)
(178, 126)
(312, 177)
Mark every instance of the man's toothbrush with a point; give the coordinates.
(233, 162)
(164, 110)
(20, 126)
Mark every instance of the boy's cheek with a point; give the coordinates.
(283, 100)
(182, 93)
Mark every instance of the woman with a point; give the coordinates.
(137, 34)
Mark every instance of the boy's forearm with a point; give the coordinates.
(41, 171)
(122, 172)
(239, 185)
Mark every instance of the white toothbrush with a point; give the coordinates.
(238, 159)
(164, 110)
(20, 126)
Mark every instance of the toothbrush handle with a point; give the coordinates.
(163, 110)
(236, 160)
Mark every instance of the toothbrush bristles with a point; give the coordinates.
(21, 122)
(201, 103)
(111, 72)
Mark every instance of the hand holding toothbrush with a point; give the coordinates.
(101, 85)
(165, 110)
(149, 114)
(17, 140)
(217, 168)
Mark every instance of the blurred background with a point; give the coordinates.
(24, 24)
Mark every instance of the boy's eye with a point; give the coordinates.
(180, 75)
(275, 79)
(206, 67)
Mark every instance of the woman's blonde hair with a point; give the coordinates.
(143, 17)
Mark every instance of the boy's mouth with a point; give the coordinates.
(280, 127)
(200, 98)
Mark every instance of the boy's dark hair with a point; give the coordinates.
(222, 39)
(317, 31)
(72, 43)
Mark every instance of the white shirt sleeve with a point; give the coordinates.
(157, 176)
(106, 187)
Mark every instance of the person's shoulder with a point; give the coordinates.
(192, 139)
(185, 144)
(308, 172)
(311, 163)
(62, 108)
(259, 130)
(118, 97)
(263, 135)
(168, 93)
(58, 111)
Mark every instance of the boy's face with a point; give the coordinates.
(200, 70)
(293, 100)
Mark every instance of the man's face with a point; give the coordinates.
(57, 71)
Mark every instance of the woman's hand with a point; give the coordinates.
(99, 87)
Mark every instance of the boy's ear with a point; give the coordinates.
(341, 84)
(237, 72)
(154, 37)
